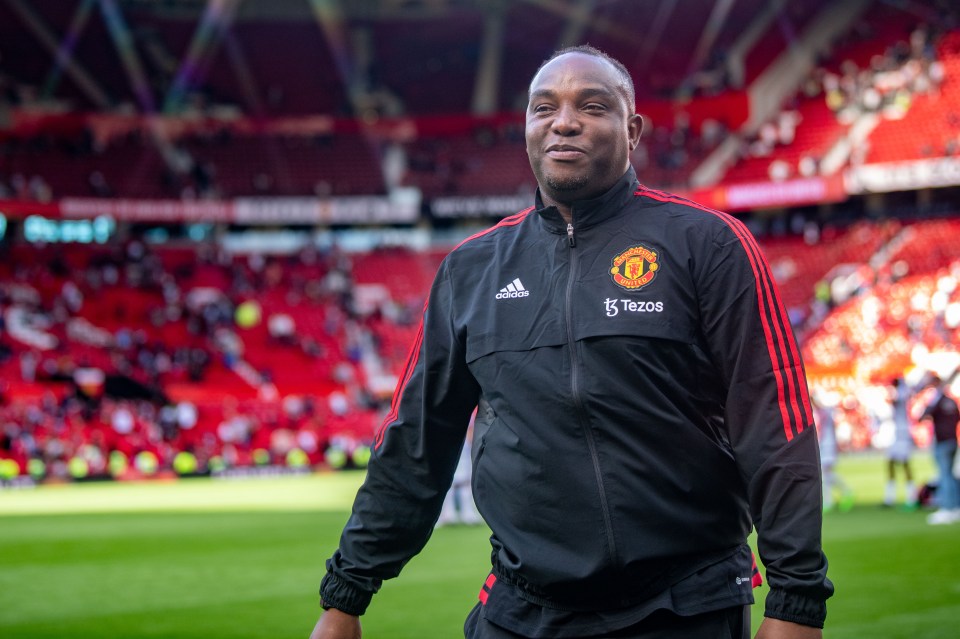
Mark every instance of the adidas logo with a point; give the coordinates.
(513, 289)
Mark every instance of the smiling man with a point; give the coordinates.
(642, 406)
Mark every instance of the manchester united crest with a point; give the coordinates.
(635, 268)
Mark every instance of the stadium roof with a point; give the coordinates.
(477, 55)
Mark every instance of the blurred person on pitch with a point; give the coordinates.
(943, 412)
(459, 506)
(644, 406)
(833, 484)
(901, 448)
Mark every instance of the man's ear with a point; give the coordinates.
(635, 129)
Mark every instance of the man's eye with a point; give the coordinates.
(541, 108)
(594, 107)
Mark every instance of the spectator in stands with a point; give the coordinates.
(901, 449)
(944, 413)
(637, 426)
(282, 328)
(28, 366)
(39, 189)
(186, 415)
(98, 184)
(121, 418)
(808, 166)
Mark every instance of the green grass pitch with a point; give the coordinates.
(242, 559)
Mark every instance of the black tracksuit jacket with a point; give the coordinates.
(644, 404)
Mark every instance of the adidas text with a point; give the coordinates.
(513, 290)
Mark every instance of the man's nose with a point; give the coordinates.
(566, 120)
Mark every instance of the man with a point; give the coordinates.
(833, 483)
(458, 505)
(900, 450)
(944, 413)
(642, 403)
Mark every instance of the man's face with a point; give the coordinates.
(580, 130)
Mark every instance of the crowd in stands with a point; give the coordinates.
(140, 354)
(887, 84)
(128, 360)
(25, 189)
(899, 312)
(861, 76)
(486, 161)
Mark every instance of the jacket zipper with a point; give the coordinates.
(578, 400)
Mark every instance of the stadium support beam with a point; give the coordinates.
(245, 78)
(175, 159)
(352, 64)
(329, 17)
(66, 48)
(779, 80)
(62, 54)
(577, 23)
(718, 16)
(754, 31)
(651, 39)
(600, 25)
(487, 83)
(214, 22)
(123, 41)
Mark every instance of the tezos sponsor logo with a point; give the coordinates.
(614, 306)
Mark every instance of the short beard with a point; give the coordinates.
(561, 185)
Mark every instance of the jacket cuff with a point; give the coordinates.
(796, 608)
(344, 596)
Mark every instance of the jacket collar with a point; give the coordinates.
(587, 213)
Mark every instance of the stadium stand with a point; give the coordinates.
(119, 353)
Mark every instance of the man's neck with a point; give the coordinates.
(565, 210)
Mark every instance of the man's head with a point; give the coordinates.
(581, 124)
(625, 85)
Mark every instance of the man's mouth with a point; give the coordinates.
(564, 152)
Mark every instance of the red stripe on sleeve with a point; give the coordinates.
(512, 220)
(412, 358)
(784, 339)
(788, 339)
(779, 342)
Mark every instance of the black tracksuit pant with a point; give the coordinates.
(728, 623)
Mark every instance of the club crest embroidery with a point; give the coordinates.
(635, 268)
